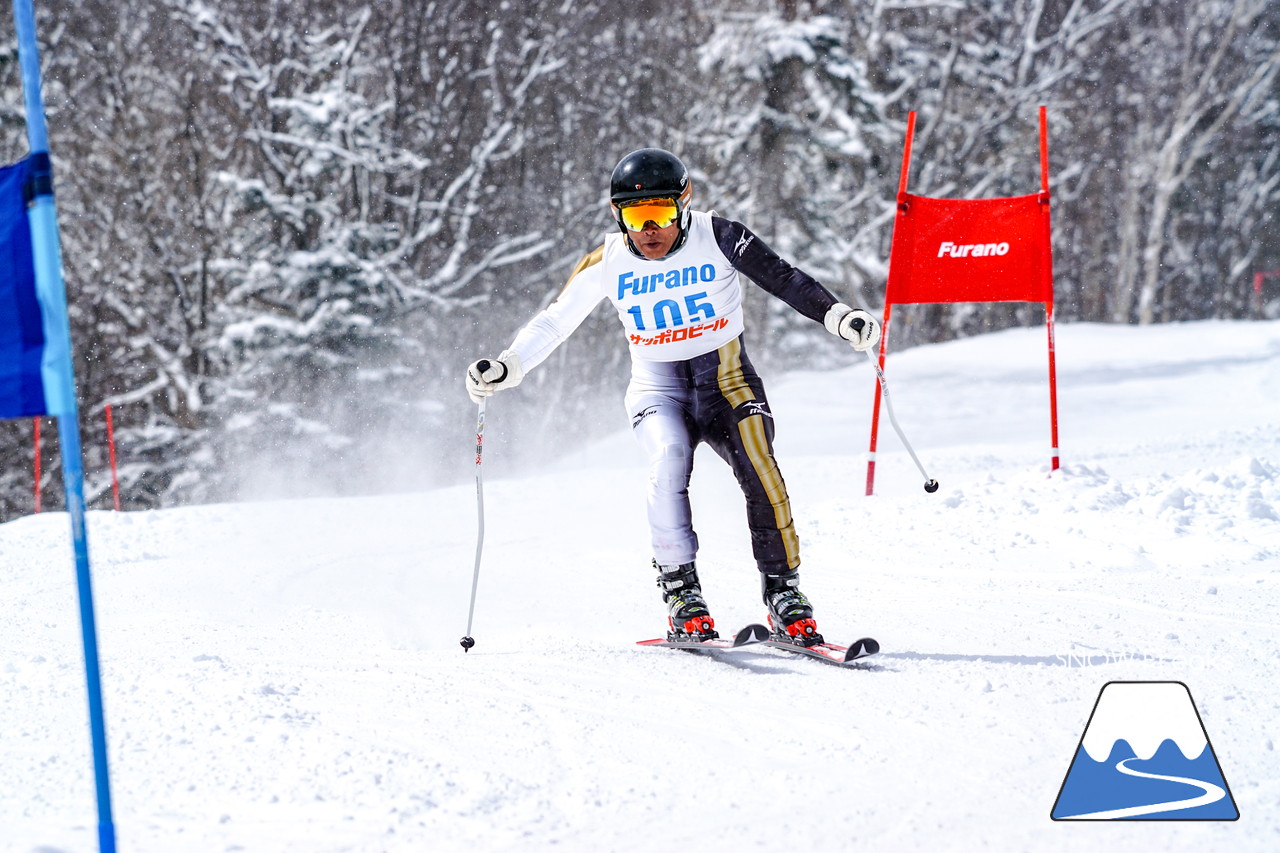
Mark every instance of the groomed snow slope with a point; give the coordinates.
(287, 677)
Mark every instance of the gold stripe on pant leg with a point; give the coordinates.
(733, 385)
(756, 444)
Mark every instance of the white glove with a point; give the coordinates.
(499, 373)
(856, 326)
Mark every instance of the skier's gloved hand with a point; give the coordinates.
(503, 372)
(856, 326)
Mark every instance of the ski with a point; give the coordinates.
(827, 652)
(748, 636)
(760, 635)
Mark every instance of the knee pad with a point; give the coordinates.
(669, 470)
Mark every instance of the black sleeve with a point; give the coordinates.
(750, 256)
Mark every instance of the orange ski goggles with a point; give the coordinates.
(660, 211)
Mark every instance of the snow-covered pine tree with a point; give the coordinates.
(263, 203)
(798, 132)
(310, 271)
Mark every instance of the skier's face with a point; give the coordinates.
(654, 242)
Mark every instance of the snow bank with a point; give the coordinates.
(286, 676)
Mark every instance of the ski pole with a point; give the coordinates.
(468, 641)
(930, 484)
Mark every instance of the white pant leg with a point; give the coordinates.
(656, 402)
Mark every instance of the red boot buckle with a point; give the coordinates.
(700, 625)
(803, 628)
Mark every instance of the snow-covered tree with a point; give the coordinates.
(289, 224)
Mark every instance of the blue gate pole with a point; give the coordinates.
(60, 397)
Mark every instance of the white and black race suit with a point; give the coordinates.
(691, 379)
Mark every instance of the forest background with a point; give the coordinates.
(289, 225)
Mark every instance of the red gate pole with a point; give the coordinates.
(1047, 254)
(111, 453)
(888, 306)
(37, 442)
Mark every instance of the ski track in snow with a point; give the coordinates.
(287, 676)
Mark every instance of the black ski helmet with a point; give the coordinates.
(651, 173)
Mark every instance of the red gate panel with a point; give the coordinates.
(970, 250)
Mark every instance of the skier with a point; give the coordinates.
(672, 274)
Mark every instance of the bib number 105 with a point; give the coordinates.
(668, 312)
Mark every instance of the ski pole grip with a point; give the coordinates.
(857, 323)
(483, 366)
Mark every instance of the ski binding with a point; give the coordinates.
(748, 636)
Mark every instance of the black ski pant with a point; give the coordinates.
(716, 398)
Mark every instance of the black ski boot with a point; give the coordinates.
(790, 613)
(687, 612)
